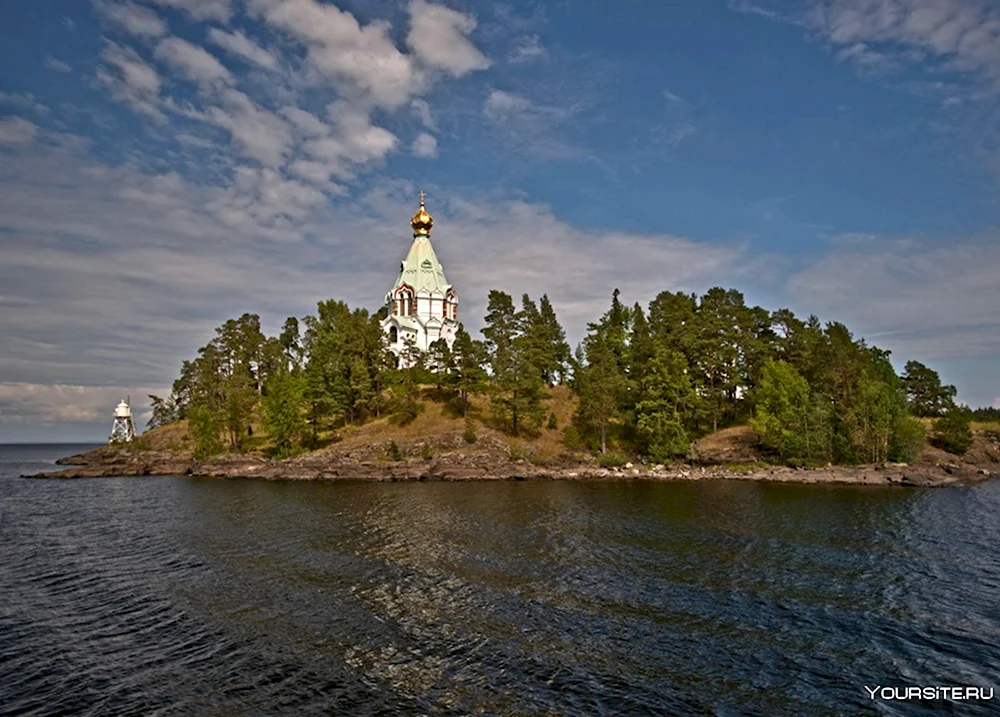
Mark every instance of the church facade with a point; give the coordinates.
(422, 306)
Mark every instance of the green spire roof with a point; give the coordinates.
(421, 269)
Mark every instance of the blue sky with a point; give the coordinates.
(168, 164)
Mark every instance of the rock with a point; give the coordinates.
(628, 465)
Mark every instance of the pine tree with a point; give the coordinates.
(666, 404)
(470, 359)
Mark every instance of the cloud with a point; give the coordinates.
(424, 146)
(527, 48)
(238, 44)
(501, 106)
(61, 403)
(529, 126)
(438, 37)
(115, 274)
(931, 300)
(996, 402)
(16, 131)
(220, 10)
(423, 110)
(360, 59)
(25, 101)
(130, 79)
(256, 132)
(56, 65)
(135, 19)
(960, 35)
(193, 62)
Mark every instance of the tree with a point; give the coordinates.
(600, 385)
(164, 411)
(441, 361)
(790, 420)
(952, 431)
(516, 386)
(926, 395)
(470, 358)
(284, 411)
(666, 401)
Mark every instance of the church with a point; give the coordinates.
(422, 306)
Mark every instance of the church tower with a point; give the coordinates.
(422, 306)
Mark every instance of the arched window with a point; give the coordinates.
(393, 335)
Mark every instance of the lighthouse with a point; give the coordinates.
(123, 429)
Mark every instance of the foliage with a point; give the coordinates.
(284, 412)
(469, 435)
(392, 452)
(612, 459)
(164, 411)
(516, 381)
(790, 421)
(926, 395)
(553, 422)
(666, 402)
(952, 432)
(426, 452)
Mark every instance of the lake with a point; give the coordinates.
(180, 596)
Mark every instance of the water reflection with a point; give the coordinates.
(507, 598)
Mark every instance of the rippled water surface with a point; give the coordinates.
(185, 596)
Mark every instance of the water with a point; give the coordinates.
(180, 596)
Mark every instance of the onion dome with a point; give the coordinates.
(422, 221)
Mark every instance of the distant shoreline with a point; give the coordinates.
(106, 462)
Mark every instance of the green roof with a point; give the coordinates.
(421, 269)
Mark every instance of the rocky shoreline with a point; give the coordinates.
(108, 462)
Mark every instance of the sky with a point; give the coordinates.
(168, 164)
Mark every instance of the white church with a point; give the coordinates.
(422, 306)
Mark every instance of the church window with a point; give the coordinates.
(393, 335)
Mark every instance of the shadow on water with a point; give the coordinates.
(127, 596)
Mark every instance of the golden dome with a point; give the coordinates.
(422, 221)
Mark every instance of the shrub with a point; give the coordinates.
(406, 411)
(952, 432)
(393, 452)
(425, 452)
(611, 459)
(553, 423)
(907, 439)
(470, 434)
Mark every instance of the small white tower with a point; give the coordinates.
(123, 430)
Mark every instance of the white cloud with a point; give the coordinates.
(61, 403)
(16, 131)
(306, 122)
(130, 79)
(424, 146)
(56, 65)
(996, 402)
(201, 9)
(423, 110)
(256, 132)
(933, 301)
(195, 63)
(361, 59)
(500, 106)
(240, 45)
(438, 37)
(881, 35)
(115, 275)
(527, 48)
(135, 19)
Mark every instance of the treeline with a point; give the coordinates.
(648, 381)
